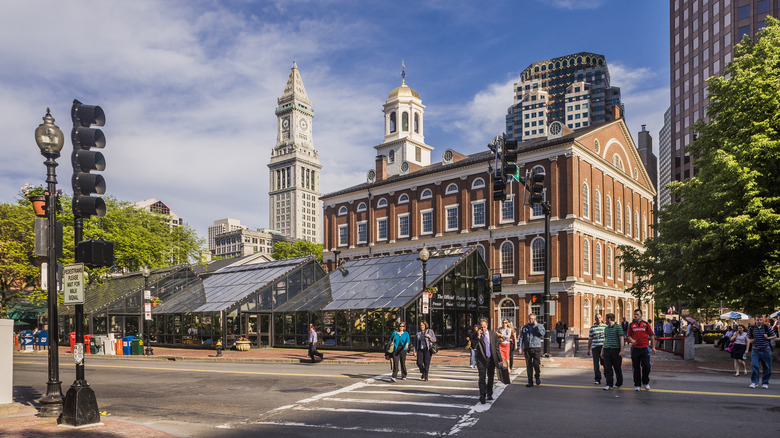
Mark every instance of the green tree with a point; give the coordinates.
(17, 260)
(285, 250)
(721, 241)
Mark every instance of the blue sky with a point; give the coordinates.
(189, 87)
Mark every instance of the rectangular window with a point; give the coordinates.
(452, 218)
(362, 234)
(426, 219)
(743, 30)
(381, 229)
(403, 225)
(478, 213)
(743, 12)
(508, 209)
(343, 235)
(762, 6)
(418, 154)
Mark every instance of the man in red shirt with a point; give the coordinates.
(641, 336)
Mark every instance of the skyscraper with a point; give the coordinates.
(703, 34)
(572, 89)
(664, 160)
(294, 202)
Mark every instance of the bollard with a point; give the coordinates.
(219, 348)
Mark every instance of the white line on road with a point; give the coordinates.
(415, 393)
(369, 411)
(471, 388)
(396, 402)
(362, 429)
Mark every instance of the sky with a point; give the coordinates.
(189, 88)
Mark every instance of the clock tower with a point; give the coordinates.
(294, 196)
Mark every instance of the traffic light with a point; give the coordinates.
(536, 299)
(499, 187)
(496, 283)
(95, 252)
(537, 188)
(509, 159)
(84, 160)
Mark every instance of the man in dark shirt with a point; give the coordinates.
(761, 337)
(488, 357)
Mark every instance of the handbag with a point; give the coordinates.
(390, 347)
(434, 348)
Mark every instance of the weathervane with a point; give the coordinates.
(403, 73)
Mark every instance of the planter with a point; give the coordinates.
(39, 205)
(155, 304)
(243, 345)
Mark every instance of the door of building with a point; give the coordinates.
(264, 329)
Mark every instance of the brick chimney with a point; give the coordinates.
(381, 167)
(616, 113)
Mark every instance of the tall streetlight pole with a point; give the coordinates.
(50, 140)
(147, 294)
(424, 256)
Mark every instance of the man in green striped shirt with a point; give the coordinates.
(612, 352)
(595, 342)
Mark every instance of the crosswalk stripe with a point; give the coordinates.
(354, 428)
(415, 393)
(471, 388)
(370, 411)
(396, 402)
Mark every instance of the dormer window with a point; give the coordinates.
(342, 210)
(403, 199)
(405, 121)
(391, 156)
(361, 206)
(417, 123)
(426, 194)
(452, 188)
(381, 203)
(392, 122)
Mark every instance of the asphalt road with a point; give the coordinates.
(207, 399)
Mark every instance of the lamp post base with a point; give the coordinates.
(52, 402)
(149, 351)
(80, 406)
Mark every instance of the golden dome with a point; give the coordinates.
(402, 91)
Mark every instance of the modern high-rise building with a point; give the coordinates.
(703, 34)
(665, 160)
(294, 202)
(222, 226)
(644, 146)
(572, 89)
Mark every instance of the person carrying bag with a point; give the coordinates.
(424, 347)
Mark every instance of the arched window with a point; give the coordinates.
(508, 310)
(609, 306)
(507, 258)
(391, 156)
(481, 251)
(585, 256)
(628, 219)
(382, 202)
(342, 210)
(585, 201)
(597, 206)
(618, 162)
(478, 183)
(403, 199)
(417, 123)
(619, 311)
(619, 216)
(392, 122)
(586, 313)
(619, 267)
(452, 188)
(537, 208)
(609, 261)
(537, 255)
(644, 227)
(361, 206)
(597, 259)
(636, 224)
(405, 121)
(427, 193)
(597, 308)
(608, 212)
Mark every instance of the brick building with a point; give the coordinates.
(601, 197)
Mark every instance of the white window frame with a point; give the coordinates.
(628, 220)
(597, 265)
(379, 238)
(403, 199)
(533, 257)
(585, 256)
(610, 261)
(608, 211)
(585, 200)
(597, 205)
(510, 198)
(636, 225)
(586, 314)
(381, 203)
(507, 270)
(343, 210)
(447, 209)
(426, 194)
(619, 216)
(478, 183)
(357, 230)
(408, 225)
(422, 222)
(451, 188)
(481, 250)
(644, 226)
(361, 207)
(474, 223)
(342, 227)
(508, 312)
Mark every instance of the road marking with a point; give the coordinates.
(460, 388)
(396, 402)
(369, 411)
(418, 394)
(667, 391)
(362, 429)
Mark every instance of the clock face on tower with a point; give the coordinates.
(285, 123)
(303, 124)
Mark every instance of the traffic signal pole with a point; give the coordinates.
(546, 298)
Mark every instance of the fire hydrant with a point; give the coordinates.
(219, 348)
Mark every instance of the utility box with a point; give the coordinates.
(6, 361)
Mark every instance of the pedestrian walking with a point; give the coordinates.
(401, 341)
(641, 335)
(761, 336)
(624, 326)
(473, 341)
(506, 333)
(313, 344)
(530, 345)
(595, 344)
(559, 333)
(612, 353)
(422, 349)
(488, 357)
(739, 345)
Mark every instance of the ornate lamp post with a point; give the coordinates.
(424, 256)
(145, 272)
(50, 140)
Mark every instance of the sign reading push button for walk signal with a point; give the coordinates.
(73, 283)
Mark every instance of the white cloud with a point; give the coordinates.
(572, 5)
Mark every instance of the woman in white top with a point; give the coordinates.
(506, 333)
(741, 341)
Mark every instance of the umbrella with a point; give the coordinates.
(692, 321)
(734, 315)
(775, 315)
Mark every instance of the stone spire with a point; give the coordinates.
(294, 89)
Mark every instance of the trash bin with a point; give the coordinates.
(127, 345)
(138, 346)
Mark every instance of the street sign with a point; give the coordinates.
(148, 311)
(425, 303)
(73, 287)
(147, 294)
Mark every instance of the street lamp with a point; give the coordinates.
(147, 295)
(50, 140)
(424, 256)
